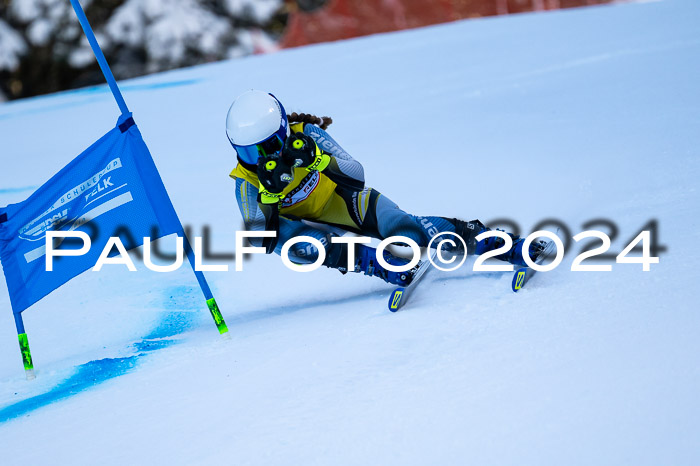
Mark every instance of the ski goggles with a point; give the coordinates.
(270, 146)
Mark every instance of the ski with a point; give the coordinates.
(400, 295)
(524, 274)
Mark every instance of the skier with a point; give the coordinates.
(292, 173)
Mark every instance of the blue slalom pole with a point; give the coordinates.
(106, 71)
(208, 295)
(109, 77)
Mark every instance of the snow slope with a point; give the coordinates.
(576, 114)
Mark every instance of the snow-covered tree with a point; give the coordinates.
(42, 48)
(12, 47)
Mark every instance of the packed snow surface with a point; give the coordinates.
(577, 115)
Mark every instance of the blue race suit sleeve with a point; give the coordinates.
(343, 169)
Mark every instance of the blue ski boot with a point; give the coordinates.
(515, 255)
(366, 261)
(470, 230)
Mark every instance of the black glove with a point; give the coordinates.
(301, 151)
(274, 174)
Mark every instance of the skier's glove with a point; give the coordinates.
(274, 175)
(301, 151)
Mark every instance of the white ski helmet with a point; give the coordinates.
(256, 125)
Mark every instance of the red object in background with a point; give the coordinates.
(343, 19)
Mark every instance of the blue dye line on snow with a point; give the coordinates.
(43, 109)
(93, 90)
(88, 375)
(138, 87)
(17, 190)
(104, 89)
(94, 373)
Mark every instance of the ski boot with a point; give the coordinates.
(515, 255)
(470, 230)
(366, 261)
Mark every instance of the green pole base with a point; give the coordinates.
(26, 356)
(216, 314)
